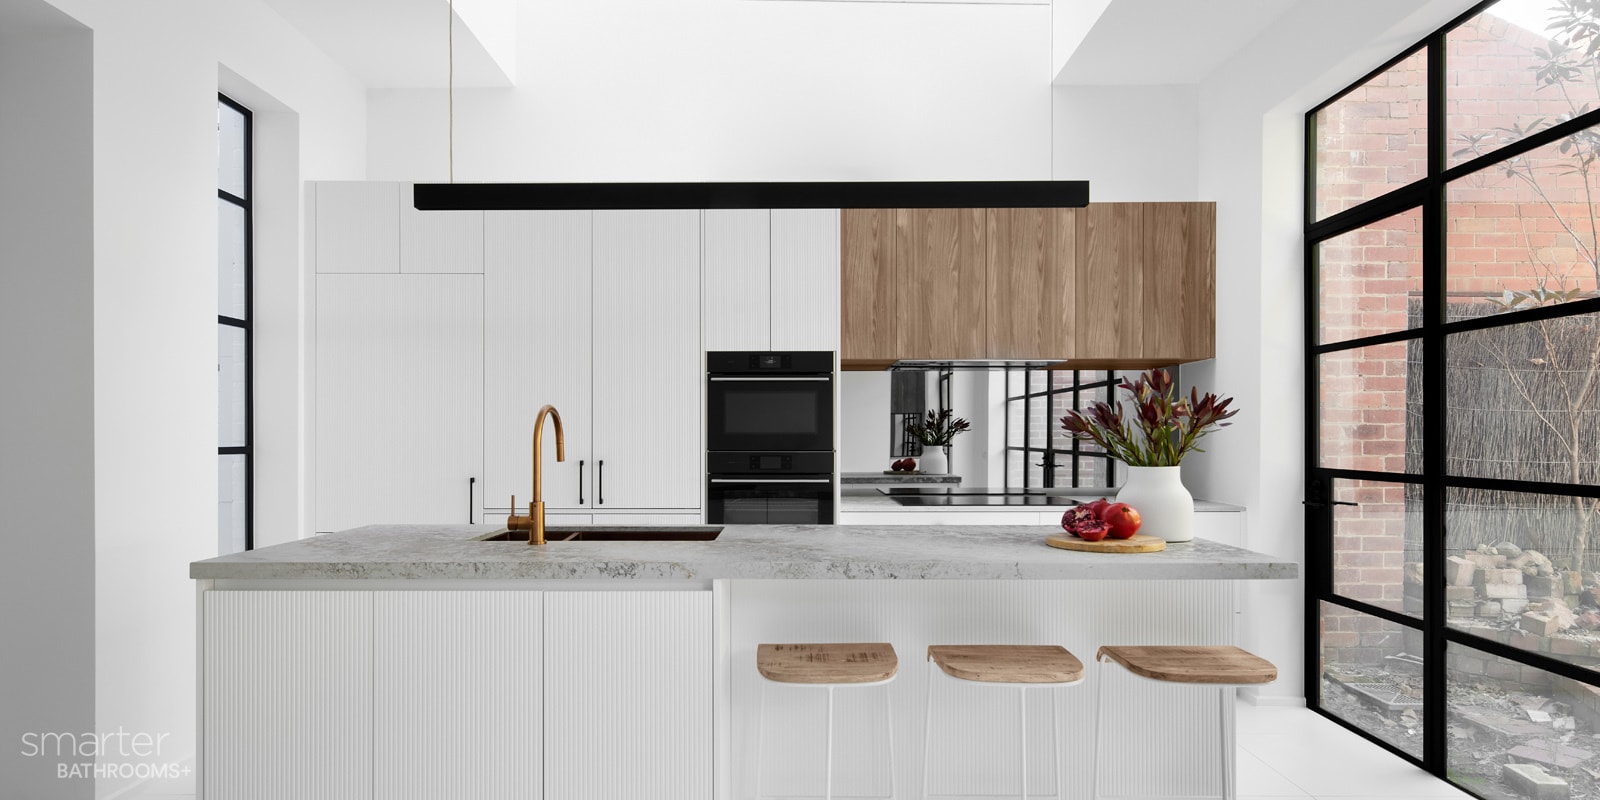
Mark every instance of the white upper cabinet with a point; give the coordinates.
(738, 286)
(648, 440)
(399, 430)
(358, 227)
(805, 279)
(438, 241)
(537, 350)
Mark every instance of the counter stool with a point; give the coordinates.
(1018, 666)
(828, 666)
(1222, 666)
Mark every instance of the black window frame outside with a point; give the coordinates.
(1049, 453)
(1428, 194)
(247, 324)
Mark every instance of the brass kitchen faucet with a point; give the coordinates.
(534, 522)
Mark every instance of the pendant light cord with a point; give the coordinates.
(451, 89)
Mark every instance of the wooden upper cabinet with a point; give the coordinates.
(1030, 283)
(866, 282)
(1146, 284)
(940, 266)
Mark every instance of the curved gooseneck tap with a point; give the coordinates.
(534, 522)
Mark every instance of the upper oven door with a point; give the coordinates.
(771, 412)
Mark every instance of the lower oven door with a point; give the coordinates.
(791, 500)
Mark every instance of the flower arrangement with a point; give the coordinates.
(1164, 426)
(938, 428)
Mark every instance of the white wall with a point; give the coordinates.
(1131, 143)
(155, 81)
(1251, 153)
(47, 469)
(638, 90)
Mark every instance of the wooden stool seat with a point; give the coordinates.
(827, 663)
(1007, 663)
(1217, 664)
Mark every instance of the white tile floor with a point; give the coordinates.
(1284, 754)
(1295, 754)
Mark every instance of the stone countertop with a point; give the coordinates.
(792, 552)
(851, 500)
(901, 479)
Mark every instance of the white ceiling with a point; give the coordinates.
(398, 44)
(1158, 42)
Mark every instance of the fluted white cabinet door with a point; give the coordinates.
(628, 687)
(805, 279)
(286, 695)
(399, 398)
(737, 279)
(457, 691)
(537, 350)
(358, 227)
(649, 365)
(439, 241)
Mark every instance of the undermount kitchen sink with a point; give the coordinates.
(687, 533)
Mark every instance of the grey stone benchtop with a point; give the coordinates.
(857, 499)
(851, 552)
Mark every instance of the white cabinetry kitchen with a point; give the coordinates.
(772, 279)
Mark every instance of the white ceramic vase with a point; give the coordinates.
(1158, 495)
(933, 461)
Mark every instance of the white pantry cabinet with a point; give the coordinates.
(629, 679)
(598, 314)
(771, 279)
(538, 324)
(438, 241)
(457, 694)
(650, 370)
(399, 402)
(358, 227)
(286, 694)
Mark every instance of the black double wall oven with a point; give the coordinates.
(769, 438)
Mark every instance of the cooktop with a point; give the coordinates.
(975, 496)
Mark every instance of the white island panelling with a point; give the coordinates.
(457, 693)
(628, 695)
(537, 350)
(399, 398)
(648, 423)
(286, 695)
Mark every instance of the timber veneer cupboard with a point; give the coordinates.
(1108, 285)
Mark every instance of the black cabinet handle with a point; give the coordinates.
(470, 484)
(580, 483)
(600, 483)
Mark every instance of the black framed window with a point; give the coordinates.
(235, 438)
(1038, 453)
(1452, 340)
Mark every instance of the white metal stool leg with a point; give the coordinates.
(927, 730)
(827, 788)
(1022, 714)
(1224, 694)
(761, 721)
(1094, 757)
(888, 715)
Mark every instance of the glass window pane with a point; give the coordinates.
(1040, 423)
(1511, 70)
(1377, 544)
(1523, 402)
(1371, 408)
(1502, 713)
(232, 505)
(230, 260)
(230, 386)
(1014, 423)
(1369, 281)
(1372, 675)
(1014, 468)
(1522, 233)
(1519, 571)
(1374, 139)
(230, 150)
(1038, 380)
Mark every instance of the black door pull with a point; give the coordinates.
(600, 484)
(1323, 504)
(470, 483)
(580, 483)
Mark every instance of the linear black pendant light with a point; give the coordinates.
(854, 194)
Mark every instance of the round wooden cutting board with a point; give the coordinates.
(1139, 543)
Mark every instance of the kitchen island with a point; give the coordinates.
(417, 661)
